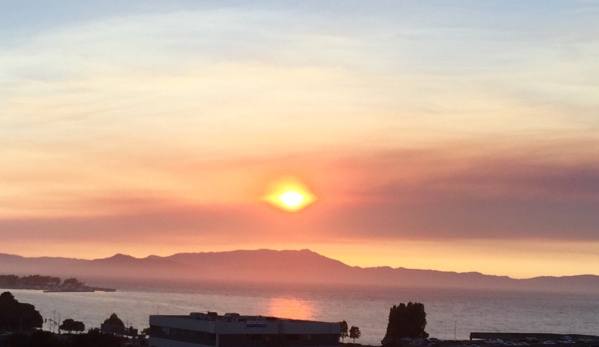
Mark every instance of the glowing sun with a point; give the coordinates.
(289, 194)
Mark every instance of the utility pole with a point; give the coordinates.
(455, 330)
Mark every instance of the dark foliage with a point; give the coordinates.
(344, 330)
(9, 281)
(47, 339)
(115, 320)
(94, 338)
(72, 282)
(354, 333)
(35, 281)
(79, 327)
(72, 325)
(16, 316)
(37, 339)
(405, 321)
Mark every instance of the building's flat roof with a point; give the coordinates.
(233, 317)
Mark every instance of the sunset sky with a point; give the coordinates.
(449, 135)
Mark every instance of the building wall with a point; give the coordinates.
(186, 331)
(276, 340)
(243, 328)
(183, 335)
(183, 322)
(278, 327)
(306, 327)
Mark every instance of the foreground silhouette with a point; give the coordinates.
(405, 321)
(16, 316)
(93, 338)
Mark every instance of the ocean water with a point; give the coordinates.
(450, 313)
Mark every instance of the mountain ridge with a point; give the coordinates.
(278, 266)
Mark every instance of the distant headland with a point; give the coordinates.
(48, 284)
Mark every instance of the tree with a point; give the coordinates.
(16, 316)
(114, 320)
(354, 333)
(79, 326)
(72, 325)
(72, 282)
(416, 320)
(9, 281)
(344, 330)
(67, 325)
(405, 321)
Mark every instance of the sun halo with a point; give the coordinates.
(290, 195)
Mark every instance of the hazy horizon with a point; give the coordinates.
(266, 266)
(454, 136)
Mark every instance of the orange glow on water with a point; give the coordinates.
(290, 308)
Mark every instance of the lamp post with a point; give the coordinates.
(455, 330)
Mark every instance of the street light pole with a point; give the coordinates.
(455, 330)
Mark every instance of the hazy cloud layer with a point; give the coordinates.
(409, 194)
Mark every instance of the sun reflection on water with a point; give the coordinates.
(290, 308)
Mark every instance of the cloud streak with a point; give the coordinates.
(408, 194)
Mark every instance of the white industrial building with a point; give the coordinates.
(233, 330)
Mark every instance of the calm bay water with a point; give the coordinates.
(449, 312)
